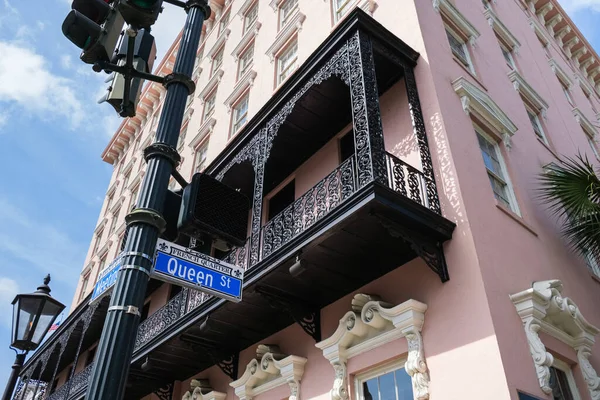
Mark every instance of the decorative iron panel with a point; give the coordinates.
(159, 321)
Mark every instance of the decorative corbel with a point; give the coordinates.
(589, 373)
(541, 358)
(200, 389)
(415, 364)
(465, 102)
(507, 141)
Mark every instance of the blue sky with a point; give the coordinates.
(53, 133)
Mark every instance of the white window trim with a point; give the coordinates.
(211, 85)
(544, 138)
(585, 123)
(376, 372)
(238, 100)
(372, 323)
(502, 31)
(512, 198)
(526, 91)
(560, 73)
(284, 52)
(246, 81)
(293, 27)
(269, 370)
(243, 44)
(218, 44)
(245, 7)
(543, 308)
(205, 129)
(349, 4)
(448, 10)
(539, 31)
(466, 50)
(474, 100)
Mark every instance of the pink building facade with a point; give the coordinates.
(397, 248)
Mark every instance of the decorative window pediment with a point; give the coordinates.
(370, 324)
(585, 123)
(244, 83)
(539, 31)
(269, 370)
(560, 73)
(205, 129)
(248, 37)
(245, 7)
(529, 95)
(292, 27)
(458, 21)
(200, 389)
(542, 308)
(502, 31)
(212, 83)
(219, 43)
(474, 100)
(100, 226)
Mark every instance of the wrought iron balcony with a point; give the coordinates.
(74, 387)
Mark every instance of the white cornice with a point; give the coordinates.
(526, 91)
(539, 31)
(246, 39)
(451, 13)
(137, 179)
(473, 99)
(116, 205)
(585, 86)
(269, 370)
(212, 83)
(244, 83)
(219, 43)
(543, 308)
(291, 28)
(205, 129)
(560, 73)
(501, 30)
(100, 226)
(585, 123)
(245, 7)
(112, 188)
(370, 324)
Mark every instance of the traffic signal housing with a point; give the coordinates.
(209, 207)
(94, 26)
(144, 54)
(140, 13)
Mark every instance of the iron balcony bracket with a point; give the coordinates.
(307, 316)
(226, 359)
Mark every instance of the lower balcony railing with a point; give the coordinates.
(299, 216)
(75, 386)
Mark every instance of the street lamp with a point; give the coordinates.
(33, 315)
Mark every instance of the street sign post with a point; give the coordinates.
(185, 267)
(106, 280)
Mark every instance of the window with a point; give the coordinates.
(341, 8)
(537, 126)
(181, 139)
(125, 181)
(286, 9)
(134, 195)
(84, 285)
(246, 59)
(347, 146)
(567, 93)
(240, 114)
(286, 62)
(200, 157)
(592, 143)
(588, 96)
(223, 22)
(280, 200)
(109, 201)
(508, 57)
(459, 49)
(114, 221)
(97, 241)
(562, 381)
(496, 171)
(391, 383)
(250, 17)
(217, 61)
(209, 105)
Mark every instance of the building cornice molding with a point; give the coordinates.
(475, 100)
(285, 34)
(212, 83)
(101, 225)
(269, 370)
(245, 7)
(543, 308)
(501, 30)
(246, 39)
(370, 324)
(526, 91)
(205, 129)
(451, 12)
(585, 123)
(539, 31)
(246, 82)
(219, 43)
(560, 73)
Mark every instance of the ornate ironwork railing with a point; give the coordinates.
(312, 206)
(161, 319)
(238, 256)
(31, 387)
(409, 182)
(75, 386)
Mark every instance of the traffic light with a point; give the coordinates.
(209, 207)
(140, 13)
(144, 54)
(94, 26)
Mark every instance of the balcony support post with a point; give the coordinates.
(366, 115)
(258, 162)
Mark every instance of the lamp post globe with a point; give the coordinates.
(33, 315)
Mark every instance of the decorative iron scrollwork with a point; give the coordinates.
(165, 392)
(309, 318)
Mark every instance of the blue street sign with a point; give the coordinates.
(106, 280)
(186, 267)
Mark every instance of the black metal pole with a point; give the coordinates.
(14, 376)
(145, 223)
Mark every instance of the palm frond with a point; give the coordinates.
(571, 189)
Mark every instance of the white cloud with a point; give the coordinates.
(66, 61)
(578, 5)
(8, 289)
(3, 118)
(26, 80)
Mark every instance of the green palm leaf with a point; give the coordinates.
(571, 189)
